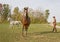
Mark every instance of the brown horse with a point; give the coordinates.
(25, 21)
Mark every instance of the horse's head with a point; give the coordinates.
(26, 9)
(26, 12)
(9, 19)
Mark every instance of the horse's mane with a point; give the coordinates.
(27, 15)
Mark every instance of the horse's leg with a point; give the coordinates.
(12, 27)
(18, 25)
(23, 31)
(26, 29)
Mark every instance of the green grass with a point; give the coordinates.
(36, 33)
(58, 24)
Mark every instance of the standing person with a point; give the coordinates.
(54, 24)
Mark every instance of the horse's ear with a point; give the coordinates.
(25, 8)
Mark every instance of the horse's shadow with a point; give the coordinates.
(45, 32)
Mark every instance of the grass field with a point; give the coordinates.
(36, 33)
(58, 24)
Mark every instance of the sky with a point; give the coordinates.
(52, 5)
